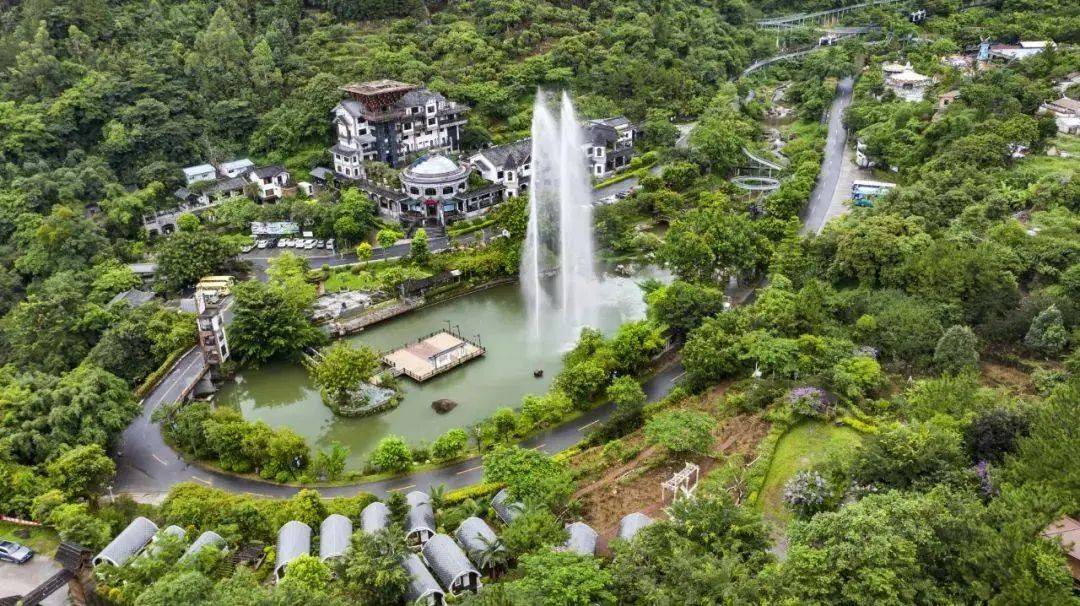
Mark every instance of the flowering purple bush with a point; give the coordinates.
(986, 484)
(809, 401)
(807, 492)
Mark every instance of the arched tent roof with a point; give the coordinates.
(375, 517)
(334, 534)
(474, 535)
(206, 539)
(632, 523)
(421, 583)
(581, 539)
(128, 543)
(421, 516)
(506, 511)
(294, 540)
(175, 531)
(447, 560)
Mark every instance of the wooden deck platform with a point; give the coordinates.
(432, 355)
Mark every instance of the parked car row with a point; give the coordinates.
(298, 243)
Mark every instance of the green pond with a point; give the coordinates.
(282, 395)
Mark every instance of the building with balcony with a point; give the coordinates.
(386, 120)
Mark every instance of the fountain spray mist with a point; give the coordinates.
(559, 235)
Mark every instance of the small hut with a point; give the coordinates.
(334, 534)
(374, 517)
(206, 539)
(420, 525)
(581, 539)
(451, 566)
(294, 540)
(475, 536)
(632, 524)
(506, 511)
(423, 589)
(129, 542)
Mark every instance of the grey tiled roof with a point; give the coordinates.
(126, 544)
(421, 583)
(581, 539)
(268, 171)
(475, 536)
(509, 155)
(334, 534)
(321, 172)
(206, 539)
(374, 517)
(233, 184)
(615, 121)
(506, 511)
(421, 516)
(632, 524)
(447, 560)
(174, 530)
(600, 134)
(135, 298)
(294, 540)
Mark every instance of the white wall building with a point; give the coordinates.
(200, 172)
(387, 120)
(507, 164)
(235, 168)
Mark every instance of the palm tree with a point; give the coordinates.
(438, 497)
(494, 556)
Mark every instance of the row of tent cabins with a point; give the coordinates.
(450, 560)
(139, 537)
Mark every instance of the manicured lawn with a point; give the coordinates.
(374, 277)
(42, 540)
(801, 447)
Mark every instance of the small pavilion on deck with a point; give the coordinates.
(432, 355)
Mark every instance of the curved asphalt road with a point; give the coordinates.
(817, 210)
(147, 467)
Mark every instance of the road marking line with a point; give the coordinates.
(198, 479)
(258, 494)
(468, 470)
(587, 425)
(159, 460)
(683, 374)
(539, 447)
(401, 488)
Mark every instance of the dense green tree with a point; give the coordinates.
(957, 350)
(371, 569)
(82, 472)
(187, 256)
(682, 306)
(391, 454)
(554, 578)
(681, 431)
(265, 325)
(531, 476)
(341, 369)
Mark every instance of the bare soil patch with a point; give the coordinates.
(618, 481)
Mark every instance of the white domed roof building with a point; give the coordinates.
(437, 191)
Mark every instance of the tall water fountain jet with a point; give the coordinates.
(559, 236)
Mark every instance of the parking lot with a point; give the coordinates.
(18, 579)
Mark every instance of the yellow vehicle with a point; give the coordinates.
(221, 284)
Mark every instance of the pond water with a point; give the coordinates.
(281, 394)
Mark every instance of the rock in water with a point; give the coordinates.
(443, 405)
